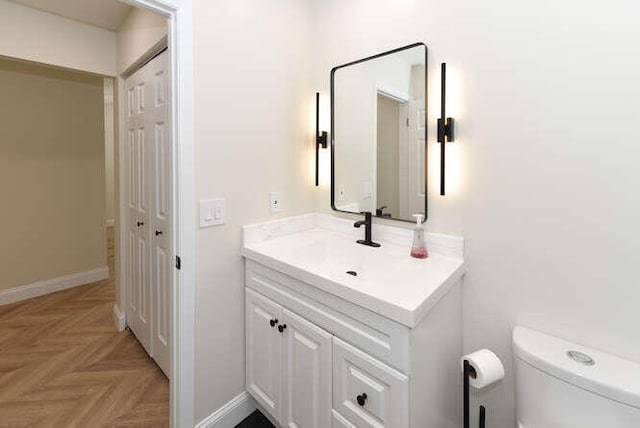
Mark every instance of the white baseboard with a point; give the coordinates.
(52, 285)
(231, 414)
(111, 222)
(119, 318)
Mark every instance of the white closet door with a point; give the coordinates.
(416, 157)
(150, 251)
(162, 263)
(137, 181)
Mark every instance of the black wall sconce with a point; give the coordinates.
(321, 139)
(445, 125)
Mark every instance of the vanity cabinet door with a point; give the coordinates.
(306, 374)
(264, 351)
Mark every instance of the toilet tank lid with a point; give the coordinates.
(609, 376)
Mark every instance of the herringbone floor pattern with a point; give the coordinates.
(63, 364)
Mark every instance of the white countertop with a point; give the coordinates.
(320, 249)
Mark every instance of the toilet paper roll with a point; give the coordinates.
(487, 365)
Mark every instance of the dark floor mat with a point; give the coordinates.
(255, 420)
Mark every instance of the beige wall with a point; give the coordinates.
(52, 213)
(139, 32)
(30, 34)
(254, 128)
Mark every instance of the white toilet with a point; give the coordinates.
(563, 385)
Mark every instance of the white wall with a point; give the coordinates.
(254, 129)
(545, 95)
(137, 34)
(37, 36)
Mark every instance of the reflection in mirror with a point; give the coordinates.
(378, 124)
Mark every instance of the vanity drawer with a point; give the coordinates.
(367, 392)
(373, 333)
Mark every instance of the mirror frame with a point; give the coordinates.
(426, 120)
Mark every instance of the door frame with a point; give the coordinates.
(395, 94)
(181, 63)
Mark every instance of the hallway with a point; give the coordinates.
(63, 364)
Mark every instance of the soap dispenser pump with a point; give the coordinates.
(419, 247)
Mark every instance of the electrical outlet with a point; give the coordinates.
(341, 192)
(275, 204)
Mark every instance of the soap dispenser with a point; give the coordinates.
(419, 247)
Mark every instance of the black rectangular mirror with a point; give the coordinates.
(379, 134)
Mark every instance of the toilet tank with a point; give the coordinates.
(560, 384)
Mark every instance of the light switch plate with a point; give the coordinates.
(275, 202)
(341, 192)
(367, 191)
(212, 212)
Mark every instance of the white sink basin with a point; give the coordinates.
(332, 254)
(387, 281)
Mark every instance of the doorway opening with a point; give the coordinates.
(63, 361)
(177, 201)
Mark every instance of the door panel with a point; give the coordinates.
(132, 171)
(137, 220)
(306, 374)
(133, 296)
(141, 168)
(264, 351)
(160, 169)
(416, 157)
(142, 279)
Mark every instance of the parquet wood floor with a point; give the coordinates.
(63, 364)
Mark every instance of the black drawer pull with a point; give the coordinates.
(361, 399)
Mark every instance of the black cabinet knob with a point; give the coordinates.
(273, 322)
(282, 327)
(158, 232)
(361, 399)
(140, 223)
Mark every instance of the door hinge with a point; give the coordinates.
(178, 262)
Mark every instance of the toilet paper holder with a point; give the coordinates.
(470, 372)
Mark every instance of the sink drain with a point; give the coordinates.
(352, 272)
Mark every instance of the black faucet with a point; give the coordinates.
(367, 230)
(380, 213)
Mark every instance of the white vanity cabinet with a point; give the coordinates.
(315, 360)
(288, 364)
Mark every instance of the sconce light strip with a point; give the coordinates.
(443, 100)
(321, 139)
(445, 126)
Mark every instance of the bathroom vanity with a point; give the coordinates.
(345, 335)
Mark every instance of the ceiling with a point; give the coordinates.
(107, 14)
